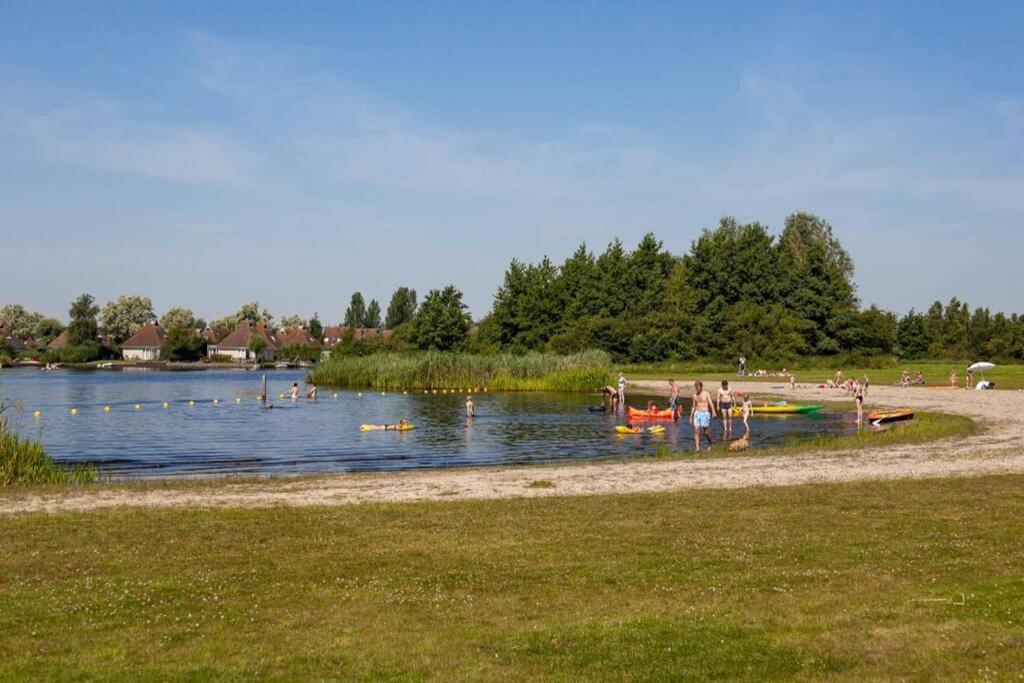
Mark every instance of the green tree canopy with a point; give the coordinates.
(17, 320)
(82, 328)
(292, 322)
(402, 308)
(355, 314)
(372, 315)
(442, 322)
(316, 328)
(125, 316)
(178, 317)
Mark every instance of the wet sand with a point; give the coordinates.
(996, 451)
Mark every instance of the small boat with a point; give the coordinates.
(897, 415)
(638, 414)
(623, 429)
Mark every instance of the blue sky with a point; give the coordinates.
(208, 154)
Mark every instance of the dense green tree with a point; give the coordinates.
(82, 328)
(372, 319)
(292, 322)
(815, 276)
(182, 343)
(529, 306)
(250, 313)
(442, 322)
(179, 317)
(402, 308)
(47, 329)
(355, 314)
(316, 328)
(581, 286)
(912, 336)
(125, 316)
(17, 320)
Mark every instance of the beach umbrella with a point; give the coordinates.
(980, 367)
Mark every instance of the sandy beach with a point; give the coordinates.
(997, 450)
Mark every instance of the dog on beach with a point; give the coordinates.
(740, 444)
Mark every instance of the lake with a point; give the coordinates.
(239, 436)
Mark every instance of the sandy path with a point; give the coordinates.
(995, 451)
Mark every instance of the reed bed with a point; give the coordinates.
(24, 461)
(584, 371)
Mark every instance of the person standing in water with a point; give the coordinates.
(294, 391)
(748, 408)
(858, 396)
(470, 410)
(701, 412)
(622, 389)
(311, 392)
(673, 402)
(724, 402)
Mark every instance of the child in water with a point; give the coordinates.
(748, 408)
(470, 410)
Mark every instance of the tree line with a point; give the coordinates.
(739, 290)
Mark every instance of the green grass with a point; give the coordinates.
(24, 462)
(817, 370)
(448, 370)
(856, 581)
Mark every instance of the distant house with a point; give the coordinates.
(335, 334)
(146, 344)
(61, 340)
(236, 344)
(297, 336)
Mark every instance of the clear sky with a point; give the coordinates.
(211, 153)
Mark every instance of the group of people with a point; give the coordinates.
(703, 408)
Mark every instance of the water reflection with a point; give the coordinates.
(236, 435)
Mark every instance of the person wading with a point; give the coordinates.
(701, 413)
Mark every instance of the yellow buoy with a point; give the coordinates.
(74, 411)
(166, 405)
(106, 409)
(435, 391)
(37, 413)
(335, 395)
(216, 401)
(405, 393)
(238, 400)
(280, 395)
(359, 394)
(138, 407)
(383, 393)
(191, 403)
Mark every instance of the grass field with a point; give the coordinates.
(936, 373)
(915, 579)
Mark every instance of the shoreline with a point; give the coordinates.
(994, 451)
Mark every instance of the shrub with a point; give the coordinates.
(25, 462)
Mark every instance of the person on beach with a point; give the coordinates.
(470, 409)
(673, 389)
(953, 382)
(970, 378)
(724, 402)
(622, 389)
(294, 391)
(792, 381)
(748, 409)
(743, 366)
(311, 392)
(858, 397)
(701, 412)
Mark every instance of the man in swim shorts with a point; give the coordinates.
(701, 413)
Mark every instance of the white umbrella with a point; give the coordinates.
(980, 367)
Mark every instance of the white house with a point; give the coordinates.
(146, 344)
(236, 344)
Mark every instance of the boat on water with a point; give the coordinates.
(638, 414)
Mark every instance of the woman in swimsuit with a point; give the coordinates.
(724, 403)
(858, 396)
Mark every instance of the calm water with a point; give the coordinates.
(323, 436)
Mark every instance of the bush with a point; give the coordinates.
(5, 361)
(83, 353)
(220, 359)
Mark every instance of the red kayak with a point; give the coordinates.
(637, 414)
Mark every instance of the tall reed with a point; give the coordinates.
(450, 370)
(25, 462)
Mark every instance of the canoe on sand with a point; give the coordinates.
(880, 416)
